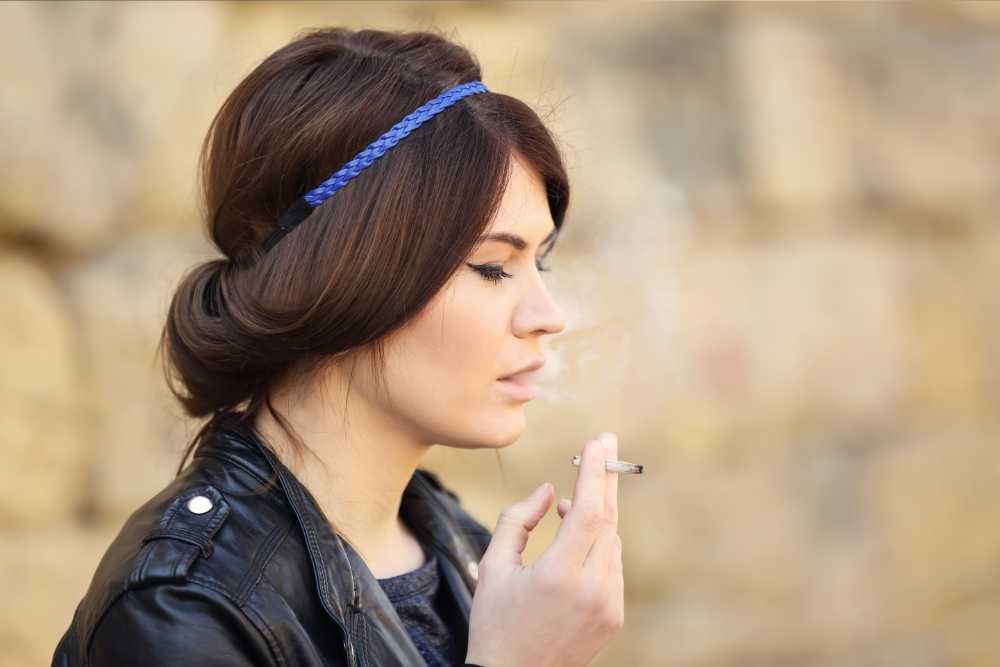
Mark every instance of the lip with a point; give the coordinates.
(518, 388)
(533, 366)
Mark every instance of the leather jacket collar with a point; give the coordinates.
(277, 520)
(341, 574)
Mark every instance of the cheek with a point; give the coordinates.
(457, 339)
(444, 366)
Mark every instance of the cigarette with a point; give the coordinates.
(612, 465)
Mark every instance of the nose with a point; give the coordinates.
(538, 313)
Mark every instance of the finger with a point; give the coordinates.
(600, 559)
(563, 507)
(617, 578)
(615, 560)
(610, 441)
(585, 518)
(515, 523)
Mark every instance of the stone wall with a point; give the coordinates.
(779, 269)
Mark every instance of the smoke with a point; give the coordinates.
(620, 298)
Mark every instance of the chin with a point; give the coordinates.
(506, 431)
(497, 432)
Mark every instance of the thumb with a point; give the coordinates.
(515, 522)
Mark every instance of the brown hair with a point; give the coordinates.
(372, 256)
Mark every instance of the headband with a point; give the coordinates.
(304, 205)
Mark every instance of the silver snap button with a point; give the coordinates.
(474, 570)
(199, 505)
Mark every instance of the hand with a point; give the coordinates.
(561, 610)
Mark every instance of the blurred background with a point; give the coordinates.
(779, 271)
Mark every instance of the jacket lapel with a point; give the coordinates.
(350, 594)
(436, 526)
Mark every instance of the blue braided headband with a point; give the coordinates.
(303, 206)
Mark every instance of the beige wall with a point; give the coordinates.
(780, 271)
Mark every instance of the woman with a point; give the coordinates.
(357, 320)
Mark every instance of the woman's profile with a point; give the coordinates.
(383, 219)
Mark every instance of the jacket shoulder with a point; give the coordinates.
(183, 534)
(185, 548)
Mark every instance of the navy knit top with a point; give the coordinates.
(429, 612)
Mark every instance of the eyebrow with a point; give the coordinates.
(513, 239)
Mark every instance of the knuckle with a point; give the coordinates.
(611, 617)
(617, 621)
(606, 621)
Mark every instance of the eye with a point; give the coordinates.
(495, 273)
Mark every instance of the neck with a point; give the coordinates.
(363, 462)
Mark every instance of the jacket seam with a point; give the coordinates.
(268, 632)
(236, 461)
(278, 657)
(268, 636)
(255, 572)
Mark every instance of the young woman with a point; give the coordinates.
(383, 217)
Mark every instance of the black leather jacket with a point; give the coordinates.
(233, 563)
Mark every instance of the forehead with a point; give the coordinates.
(524, 208)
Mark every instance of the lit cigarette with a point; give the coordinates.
(612, 465)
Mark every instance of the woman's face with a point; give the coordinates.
(443, 367)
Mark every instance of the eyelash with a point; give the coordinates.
(494, 273)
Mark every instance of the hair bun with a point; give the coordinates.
(212, 295)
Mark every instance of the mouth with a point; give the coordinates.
(519, 387)
(525, 370)
(521, 383)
